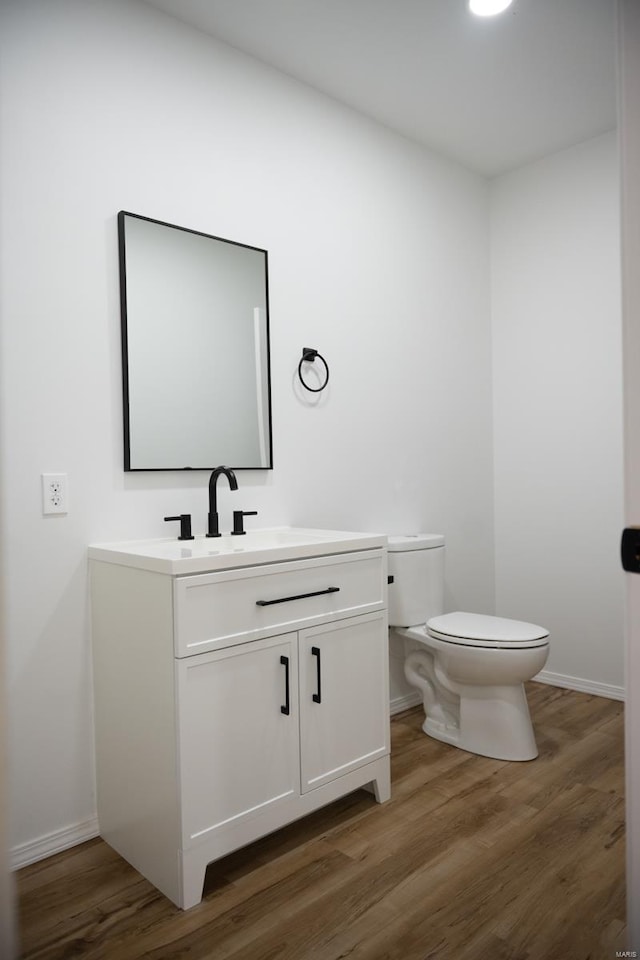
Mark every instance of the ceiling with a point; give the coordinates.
(492, 93)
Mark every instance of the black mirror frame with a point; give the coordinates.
(125, 353)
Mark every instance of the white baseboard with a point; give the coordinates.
(609, 690)
(398, 704)
(56, 842)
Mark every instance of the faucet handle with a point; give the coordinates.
(185, 526)
(238, 529)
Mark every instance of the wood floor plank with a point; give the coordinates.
(494, 890)
(471, 859)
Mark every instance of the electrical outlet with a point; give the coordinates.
(54, 493)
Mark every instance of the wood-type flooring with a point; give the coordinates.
(471, 859)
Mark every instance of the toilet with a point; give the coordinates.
(469, 668)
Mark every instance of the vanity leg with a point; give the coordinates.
(380, 786)
(193, 873)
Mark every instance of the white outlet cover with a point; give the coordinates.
(54, 493)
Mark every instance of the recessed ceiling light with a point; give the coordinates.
(488, 8)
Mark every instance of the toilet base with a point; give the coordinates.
(494, 723)
(487, 718)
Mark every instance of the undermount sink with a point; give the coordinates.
(203, 554)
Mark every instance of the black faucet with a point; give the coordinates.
(213, 530)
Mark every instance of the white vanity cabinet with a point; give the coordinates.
(235, 697)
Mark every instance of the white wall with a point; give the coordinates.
(558, 408)
(378, 256)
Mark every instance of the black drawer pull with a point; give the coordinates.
(299, 596)
(285, 663)
(317, 697)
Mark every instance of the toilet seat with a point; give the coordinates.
(478, 630)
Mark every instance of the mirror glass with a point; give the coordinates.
(195, 349)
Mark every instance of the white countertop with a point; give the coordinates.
(206, 554)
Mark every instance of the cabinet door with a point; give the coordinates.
(238, 744)
(344, 697)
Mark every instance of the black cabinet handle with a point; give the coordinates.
(299, 596)
(285, 663)
(317, 697)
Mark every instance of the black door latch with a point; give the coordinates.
(630, 549)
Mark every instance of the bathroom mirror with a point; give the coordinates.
(195, 349)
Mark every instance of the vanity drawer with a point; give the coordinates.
(221, 609)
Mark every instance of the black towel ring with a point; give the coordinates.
(308, 356)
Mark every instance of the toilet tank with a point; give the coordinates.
(416, 592)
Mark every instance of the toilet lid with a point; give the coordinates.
(476, 629)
